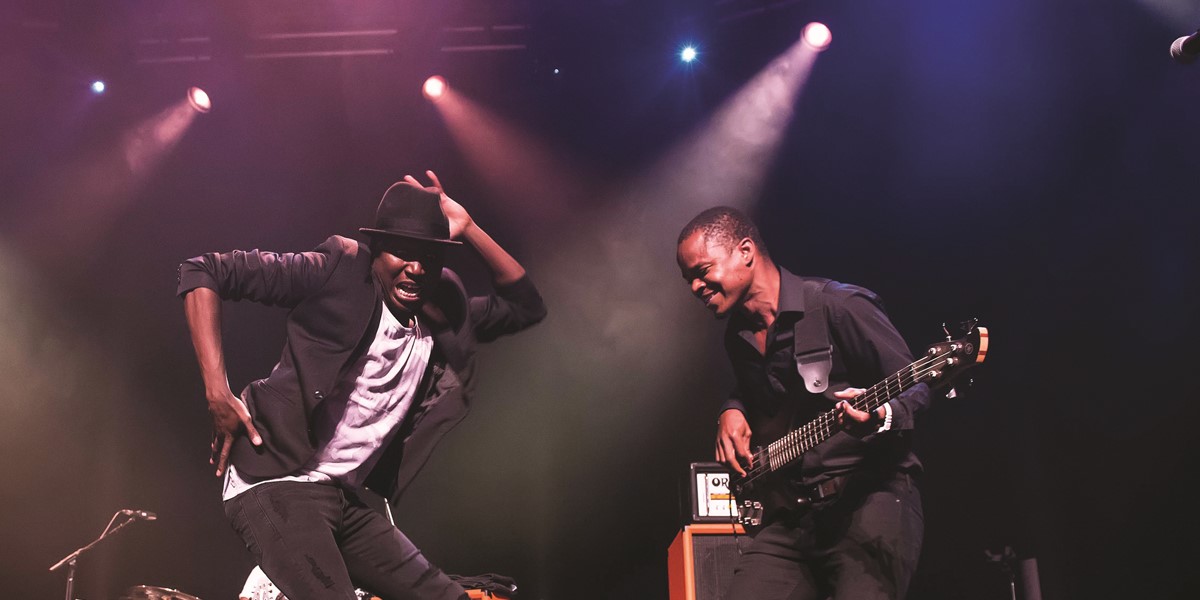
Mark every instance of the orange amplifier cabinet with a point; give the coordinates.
(484, 595)
(700, 561)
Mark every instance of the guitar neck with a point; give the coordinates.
(790, 447)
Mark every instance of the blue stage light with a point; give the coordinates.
(688, 54)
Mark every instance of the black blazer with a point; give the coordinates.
(334, 307)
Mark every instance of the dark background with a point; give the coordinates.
(1028, 162)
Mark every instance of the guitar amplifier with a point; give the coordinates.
(700, 561)
(709, 495)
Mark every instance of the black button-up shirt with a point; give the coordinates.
(866, 348)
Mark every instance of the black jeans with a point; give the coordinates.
(863, 545)
(314, 540)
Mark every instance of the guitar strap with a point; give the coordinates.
(810, 339)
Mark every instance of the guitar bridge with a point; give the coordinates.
(750, 513)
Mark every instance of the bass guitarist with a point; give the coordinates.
(845, 521)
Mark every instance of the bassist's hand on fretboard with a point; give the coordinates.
(859, 423)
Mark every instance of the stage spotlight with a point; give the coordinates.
(688, 54)
(198, 100)
(817, 36)
(434, 88)
(98, 87)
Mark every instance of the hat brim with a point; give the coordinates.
(409, 236)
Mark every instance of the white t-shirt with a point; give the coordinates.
(364, 410)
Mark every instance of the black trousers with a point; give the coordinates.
(317, 542)
(863, 545)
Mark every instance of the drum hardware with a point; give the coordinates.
(153, 592)
(129, 516)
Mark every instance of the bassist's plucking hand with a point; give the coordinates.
(733, 441)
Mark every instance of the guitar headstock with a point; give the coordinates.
(946, 360)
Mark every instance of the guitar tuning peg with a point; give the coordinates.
(946, 330)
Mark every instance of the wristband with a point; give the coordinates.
(886, 420)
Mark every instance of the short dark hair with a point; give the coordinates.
(725, 225)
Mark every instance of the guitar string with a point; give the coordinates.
(826, 422)
(804, 438)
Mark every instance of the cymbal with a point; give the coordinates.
(154, 592)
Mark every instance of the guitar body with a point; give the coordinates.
(769, 496)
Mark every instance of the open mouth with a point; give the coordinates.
(408, 290)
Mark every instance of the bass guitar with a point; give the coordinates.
(940, 365)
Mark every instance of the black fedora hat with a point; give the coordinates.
(413, 212)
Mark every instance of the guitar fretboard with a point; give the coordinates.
(787, 449)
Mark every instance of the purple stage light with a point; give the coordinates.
(817, 36)
(198, 99)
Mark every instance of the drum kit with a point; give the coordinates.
(124, 518)
(153, 592)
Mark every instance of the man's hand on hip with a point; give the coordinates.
(230, 416)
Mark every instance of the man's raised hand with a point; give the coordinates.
(458, 216)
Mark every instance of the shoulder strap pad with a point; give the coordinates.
(811, 342)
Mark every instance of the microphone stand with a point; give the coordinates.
(70, 559)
